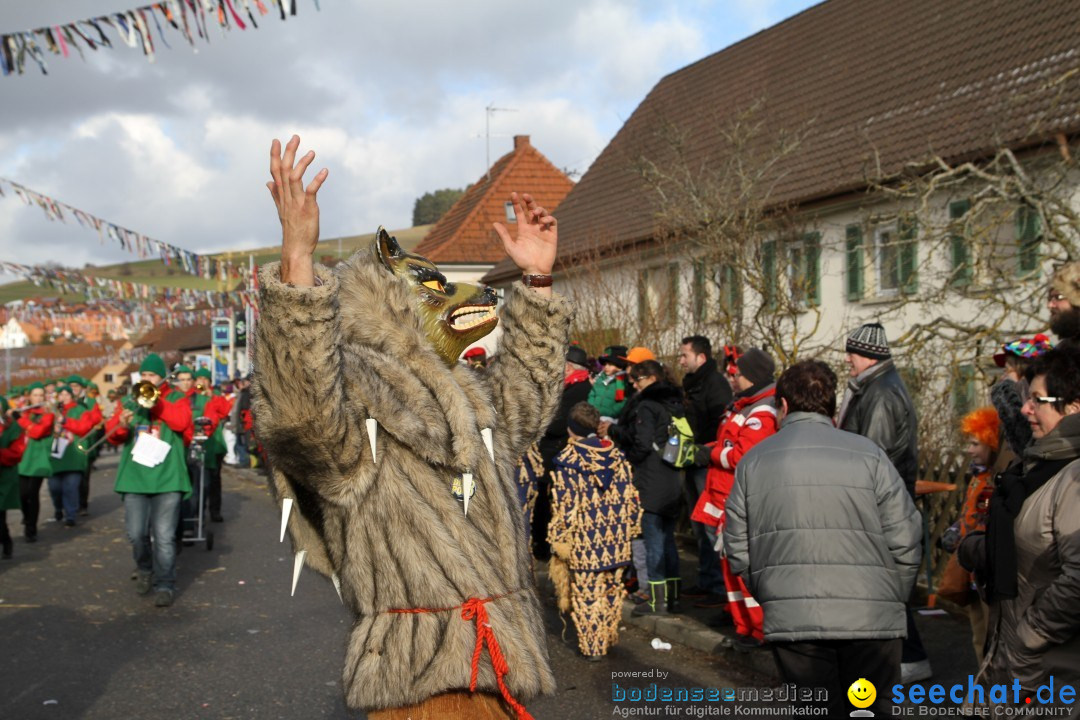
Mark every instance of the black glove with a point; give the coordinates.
(702, 455)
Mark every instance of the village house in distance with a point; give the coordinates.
(463, 244)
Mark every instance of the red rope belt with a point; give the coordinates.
(473, 610)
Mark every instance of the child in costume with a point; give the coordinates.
(608, 394)
(982, 429)
(595, 514)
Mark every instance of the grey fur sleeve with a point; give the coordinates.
(527, 375)
(298, 403)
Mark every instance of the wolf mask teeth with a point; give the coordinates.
(454, 315)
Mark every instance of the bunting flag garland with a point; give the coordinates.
(203, 266)
(132, 27)
(68, 281)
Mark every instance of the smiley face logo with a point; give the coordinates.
(862, 693)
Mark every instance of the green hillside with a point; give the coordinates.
(155, 272)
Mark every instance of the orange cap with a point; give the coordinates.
(639, 354)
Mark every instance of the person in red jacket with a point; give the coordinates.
(36, 463)
(750, 418)
(12, 444)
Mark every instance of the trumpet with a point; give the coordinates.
(146, 394)
(202, 387)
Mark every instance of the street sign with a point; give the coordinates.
(219, 336)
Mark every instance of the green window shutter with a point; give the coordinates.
(700, 291)
(673, 300)
(643, 298)
(909, 256)
(960, 264)
(731, 292)
(854, 263)
(768, 271)
(812, 276)
(963, 390)
(1028, 240)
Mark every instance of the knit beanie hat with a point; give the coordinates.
(182, 369)
(984, 425)
(76, 379)
(153, 363)
(869, 341)
(65, 388)
(35, 386)
(756, 366)
(1066, 281)
(203, 373)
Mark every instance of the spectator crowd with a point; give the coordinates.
(801, 499)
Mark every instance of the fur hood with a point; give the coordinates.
(385, 525)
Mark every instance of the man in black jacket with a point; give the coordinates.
(707, 395)
(576, 387)
(877, 406)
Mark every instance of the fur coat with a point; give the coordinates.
(387, 528)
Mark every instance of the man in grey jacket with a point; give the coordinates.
(821, 526)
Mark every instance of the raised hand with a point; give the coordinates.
(298, 210)
(533, 250)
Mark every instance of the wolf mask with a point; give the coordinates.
(454, 315)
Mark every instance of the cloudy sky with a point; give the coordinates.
(390, 95)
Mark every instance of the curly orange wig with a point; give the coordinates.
(984, 425)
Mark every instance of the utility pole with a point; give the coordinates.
(490, 110)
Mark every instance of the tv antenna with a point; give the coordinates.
(489, 111)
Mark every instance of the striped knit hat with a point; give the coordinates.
(869, 341)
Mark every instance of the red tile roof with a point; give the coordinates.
(904, 79)
(464, 234)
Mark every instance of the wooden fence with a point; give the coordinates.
(940, 509)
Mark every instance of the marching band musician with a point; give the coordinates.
(153, 477)
(70, 463)
(12, 444)
(82, 388)
(216, 408)
(36, 463)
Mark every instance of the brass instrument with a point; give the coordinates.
(202, 386)
(145, 394)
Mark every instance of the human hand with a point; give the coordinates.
(602, 428)
(533, 250)
(126, 416)
(298, 210)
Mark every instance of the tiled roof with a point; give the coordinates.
(464, 234)
(905, 79)
(164, 339)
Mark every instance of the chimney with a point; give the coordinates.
(520, 141)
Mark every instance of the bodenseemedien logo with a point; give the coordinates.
(862, 695)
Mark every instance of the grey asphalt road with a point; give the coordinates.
(79, 643)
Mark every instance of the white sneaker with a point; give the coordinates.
(915, 671)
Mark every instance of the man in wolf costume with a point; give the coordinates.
(398, 462)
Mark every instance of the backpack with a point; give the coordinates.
(679, 448)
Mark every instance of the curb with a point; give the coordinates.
(692, 634)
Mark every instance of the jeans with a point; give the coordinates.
(64, 488)
(709, 575)
(836, 664)
(156, 516)
(660, 550)
(241, 450)
(30, 499)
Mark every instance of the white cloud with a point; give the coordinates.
(390, 95)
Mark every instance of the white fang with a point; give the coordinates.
(298, 565)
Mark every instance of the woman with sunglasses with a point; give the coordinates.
(641, 433)
(1028, 562)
